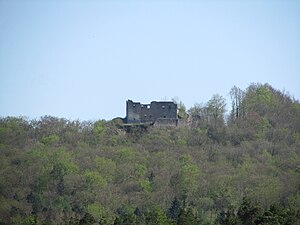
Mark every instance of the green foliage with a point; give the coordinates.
(14, 132)
(186, 179)
(62, 164)
(228, 217)
(174, 210)
(216, 109)
(27, 220)
(189, 173)
(55, 171)
(128, 216)
(95, 178)
(145, 184)
(156, 216)
(99, 127)
(50, 140)
(87, 219)
(106, 167)
(182, 114)
(187, 217)
(249, 212)
(99, 213)
(126, 154)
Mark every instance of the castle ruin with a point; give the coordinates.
(162, 113)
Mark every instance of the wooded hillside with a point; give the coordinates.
(243, 168)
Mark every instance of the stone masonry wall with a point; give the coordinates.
(164, 111)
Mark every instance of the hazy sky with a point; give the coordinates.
(84, 59)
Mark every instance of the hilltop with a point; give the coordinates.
(242, 167)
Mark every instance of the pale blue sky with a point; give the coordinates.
(84, 59)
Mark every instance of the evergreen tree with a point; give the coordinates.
(156, 216)
(87, 219)
(249, 212)
(174, 210)
(187, 217)
(227, 217)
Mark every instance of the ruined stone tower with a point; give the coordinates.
(162, 113)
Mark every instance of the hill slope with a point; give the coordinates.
(240, 170)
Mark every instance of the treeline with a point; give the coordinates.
(237, 168)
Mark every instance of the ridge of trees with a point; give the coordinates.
(239, 168)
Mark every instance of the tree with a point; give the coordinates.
(55, 171)
(187, 217)
(249, 212)
(227, 217)
(276, 215)
(237, 96)
(87, 219)
(185, 182)
(129, 216)
(216, 109)
(14, 132)
(199, 115)
(174, 210)
(182, 114)
(156, 216)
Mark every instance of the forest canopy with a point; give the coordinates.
(242, 167)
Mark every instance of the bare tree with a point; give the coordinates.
(237, 95)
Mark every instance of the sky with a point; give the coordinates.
(84, 59)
